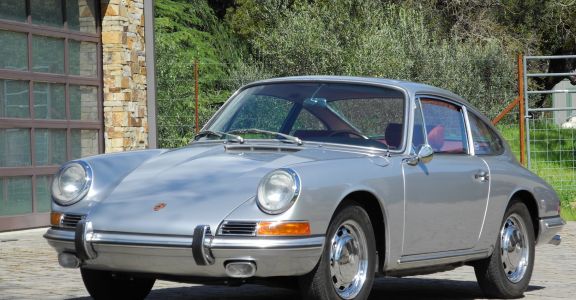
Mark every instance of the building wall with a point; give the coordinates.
(124, 75)
(74, 82)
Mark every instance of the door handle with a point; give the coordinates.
(482, 176)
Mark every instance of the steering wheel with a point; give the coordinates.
(347, 132)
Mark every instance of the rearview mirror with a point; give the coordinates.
(424, 154)
(315, 102)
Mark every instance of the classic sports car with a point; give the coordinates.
(321, 181)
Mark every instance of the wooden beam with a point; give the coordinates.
(506, 110)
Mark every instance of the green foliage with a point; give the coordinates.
(367, 38)
(467, 47)
(531, 26)
(188, 31)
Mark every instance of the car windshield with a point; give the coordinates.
(353, 114)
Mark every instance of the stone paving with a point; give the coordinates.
(29, 270)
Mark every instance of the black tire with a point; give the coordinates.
(490, 272)
(318, 284)
(109, 285)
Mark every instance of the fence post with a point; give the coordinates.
(196, 121)
(521, 111)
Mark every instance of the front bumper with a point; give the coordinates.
(173, 255)
(548, 230)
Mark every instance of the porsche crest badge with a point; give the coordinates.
(159, 206)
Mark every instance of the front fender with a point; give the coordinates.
(325, 185)
(108, 170)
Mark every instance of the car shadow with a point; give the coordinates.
(428, 288)
(384, 288)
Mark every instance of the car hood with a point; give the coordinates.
(177, 190)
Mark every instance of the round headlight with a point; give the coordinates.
(278, 190)
(71, 183)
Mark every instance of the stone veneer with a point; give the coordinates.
(124, 75)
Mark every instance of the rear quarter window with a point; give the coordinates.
(485, 140)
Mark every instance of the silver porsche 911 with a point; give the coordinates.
(321, 181)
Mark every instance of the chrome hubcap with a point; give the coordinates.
(514, 248)
(348, 259)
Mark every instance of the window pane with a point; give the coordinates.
(81, 15)
(306, 122)
(444, 126)
(50, 146)
(276, 108)
(42, 196)
(486, 141)
(14, 99)
(13, 50)
(372, 115)
(14, 147)
(14, 10)
(49, 101)
(83, 102)
(47, 12)
(47, 54)
(82, 58)
(84, 143)
(16, 196)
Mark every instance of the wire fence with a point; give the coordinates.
(553, 155)
(552, 125)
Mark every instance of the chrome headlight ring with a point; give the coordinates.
(72, 182)
(278, 191)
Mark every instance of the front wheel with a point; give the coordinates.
(108, 285)
(506, 274)
(346, 267)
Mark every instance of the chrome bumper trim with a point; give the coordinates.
(82, 240)
(135, 239)
(173, 255)
(60, 235)
(201, 245)
(184, 241)
(268, 243)
(549, 227)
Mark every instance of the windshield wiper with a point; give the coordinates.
(229, 136)
(287, 137)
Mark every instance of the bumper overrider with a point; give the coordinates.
(200, 255)
(548, 229)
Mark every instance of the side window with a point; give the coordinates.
(445, 128)
(486, 141)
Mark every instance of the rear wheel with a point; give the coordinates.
(346, 268)
(109, 285)
(507, 273)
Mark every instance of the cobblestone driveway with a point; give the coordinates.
(29, 270)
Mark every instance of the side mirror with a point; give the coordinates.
(424, 154)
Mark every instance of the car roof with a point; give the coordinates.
(412, 88)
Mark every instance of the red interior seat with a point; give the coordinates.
(436, 138)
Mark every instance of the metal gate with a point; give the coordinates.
(551, 131)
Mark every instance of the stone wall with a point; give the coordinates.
(125, 110)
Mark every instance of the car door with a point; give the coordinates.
(446, 198)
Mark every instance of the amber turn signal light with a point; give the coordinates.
(55, 218)
(283, 228)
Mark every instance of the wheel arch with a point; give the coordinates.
(528, 199)
(370, 203)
